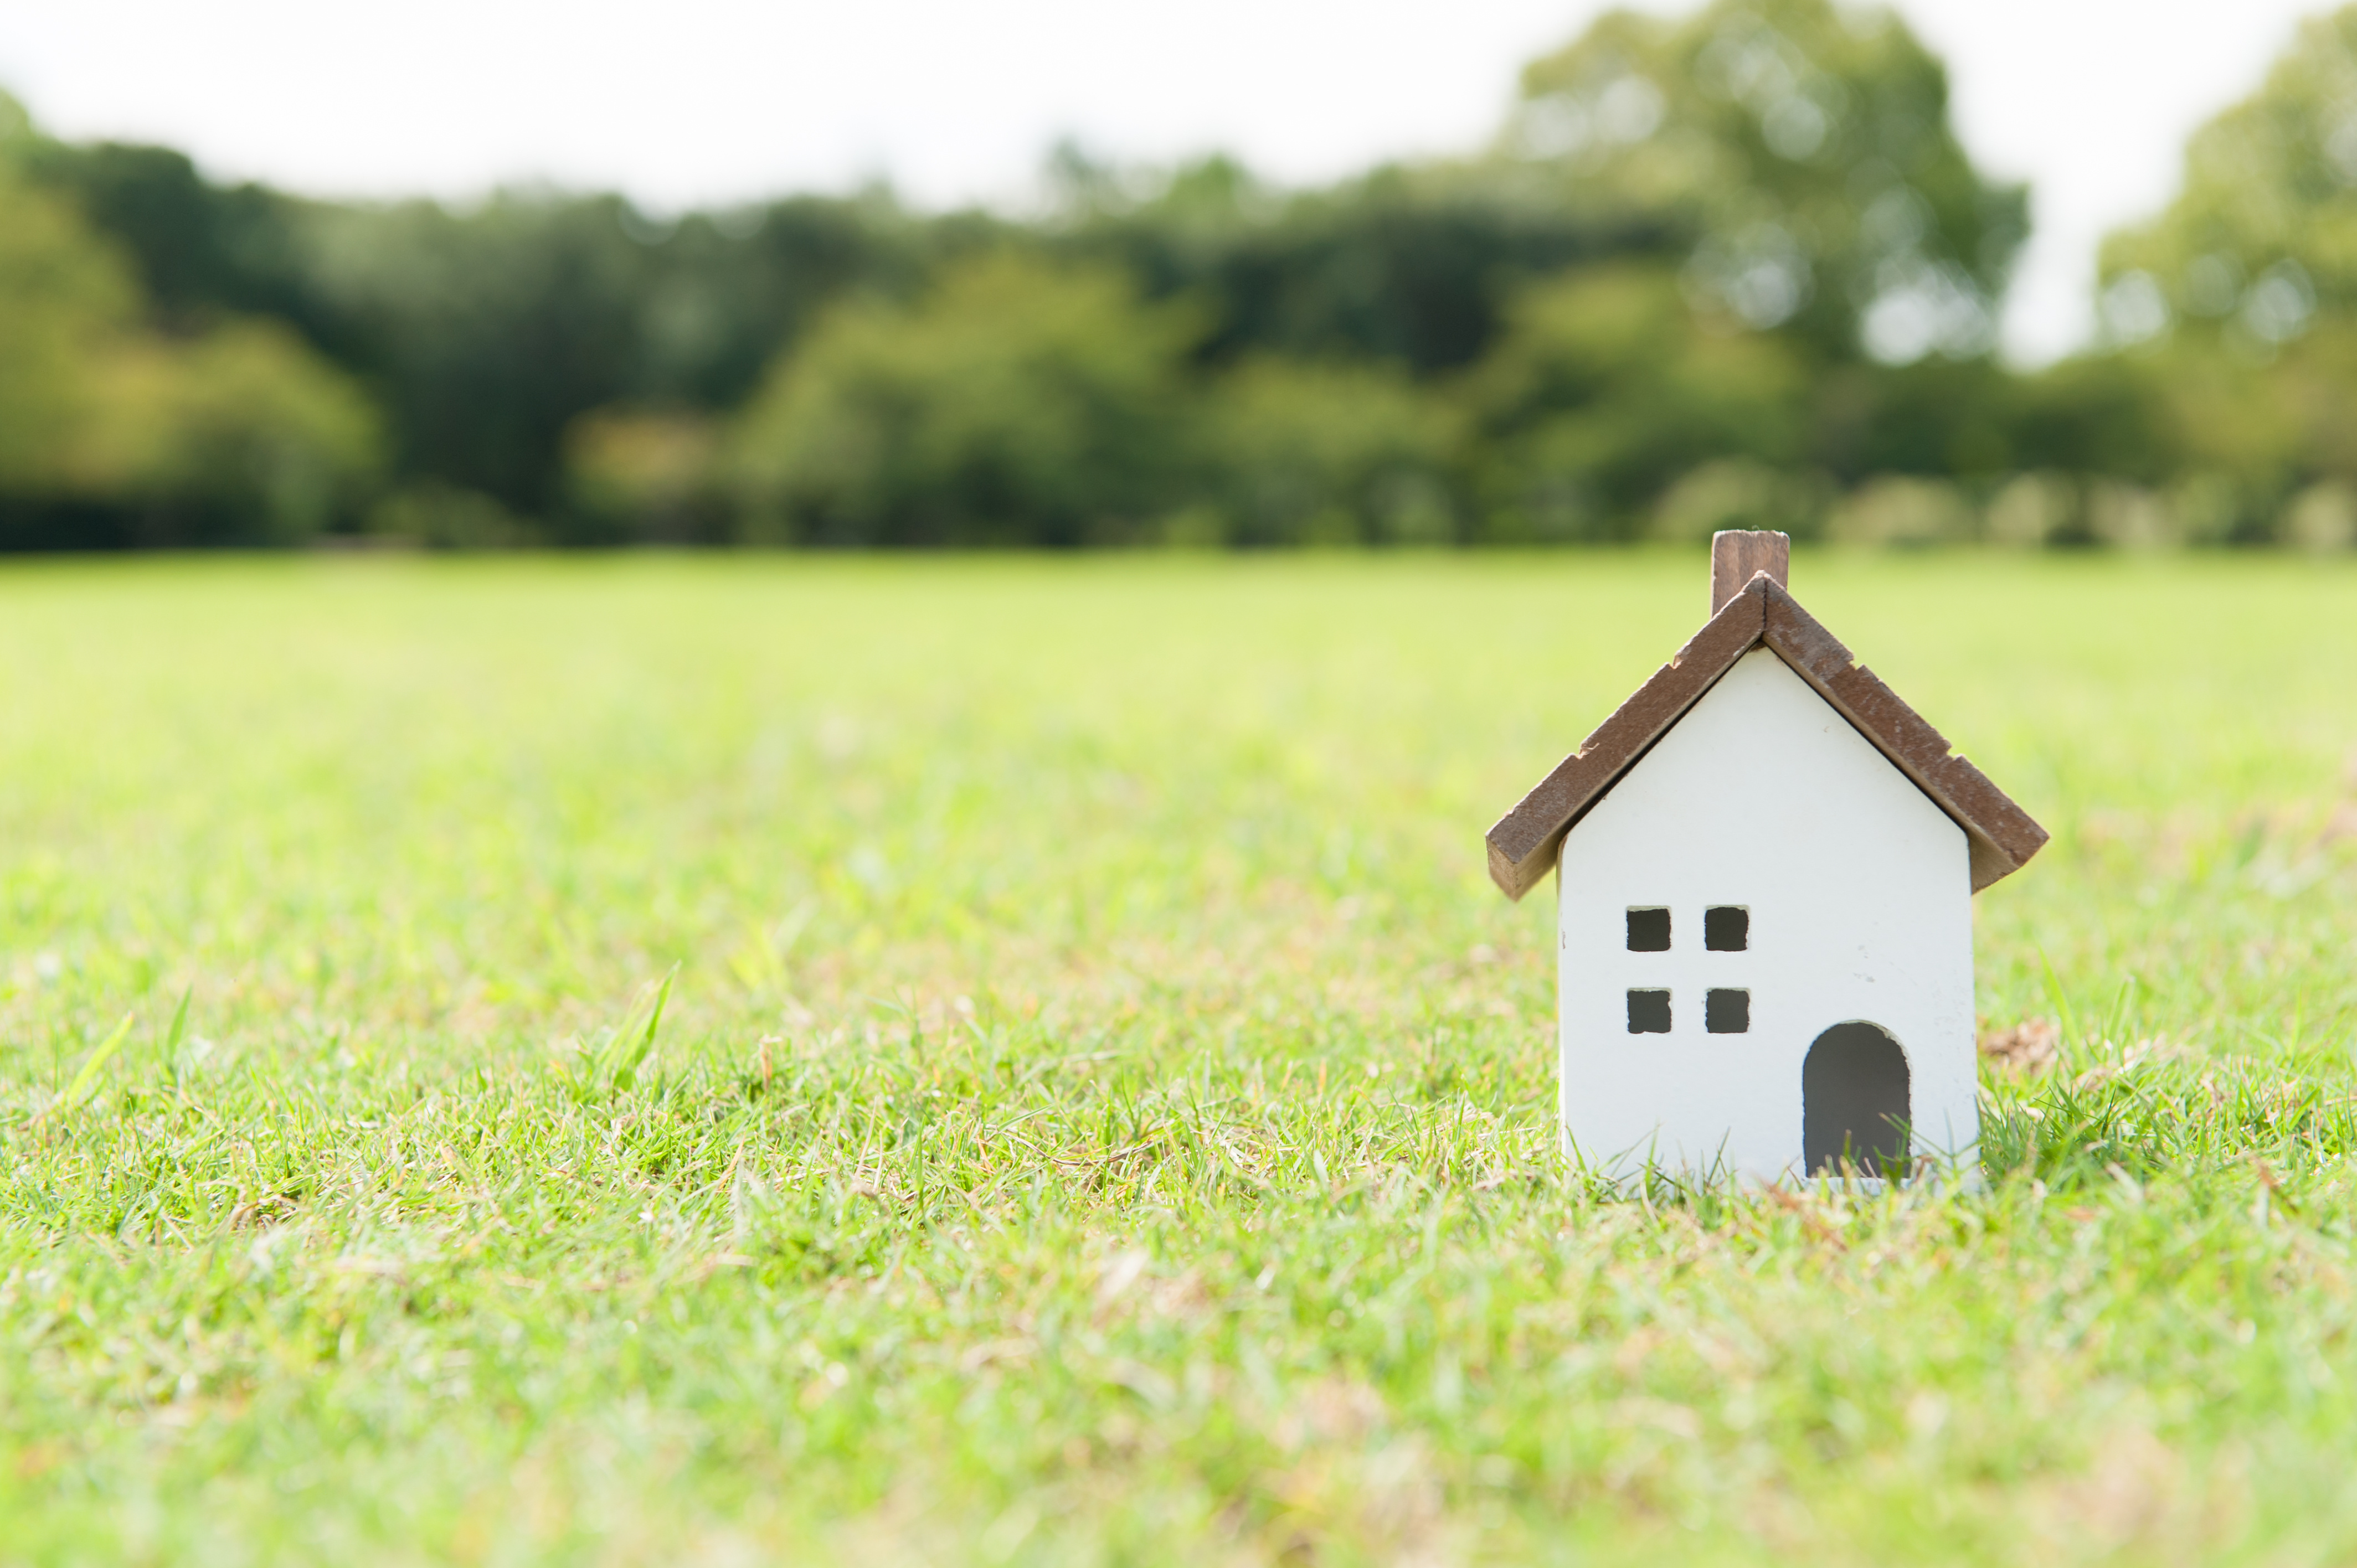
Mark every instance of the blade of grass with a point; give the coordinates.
(84, 1078)
(627, 1049)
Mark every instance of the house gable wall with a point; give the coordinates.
(1860, 893)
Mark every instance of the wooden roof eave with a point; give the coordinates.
(1523, 844)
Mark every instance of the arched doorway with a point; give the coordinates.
(1853, 1102)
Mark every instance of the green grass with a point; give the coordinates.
(1099, 1112)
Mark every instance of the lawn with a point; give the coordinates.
(667, 1061)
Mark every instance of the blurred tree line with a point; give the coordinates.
(1728, 270)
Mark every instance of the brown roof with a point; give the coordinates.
(1522, 845)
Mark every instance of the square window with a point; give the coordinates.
(1726, 928)
(1648, 1012)
(1724, 1011)
(1648, 930)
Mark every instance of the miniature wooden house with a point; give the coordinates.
(1764, 930)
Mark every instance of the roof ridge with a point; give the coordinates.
(1522, 842)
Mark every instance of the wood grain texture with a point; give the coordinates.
(1522, 844)
(1738, 555)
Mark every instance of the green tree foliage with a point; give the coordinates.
(1681, 252)
(2262, 238)
(2233, 315)
(649, 474)
(1806, 152)
(1728, 267)
(111, 431)
(1018, 400)
(200, 250)
(1824, 307)
(240, 434)
(1412, 266)
(64, 298)
(1606, 387)
(486, 332)
(1329, 453)
(490, 331)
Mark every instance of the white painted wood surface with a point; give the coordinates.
(1860, 897)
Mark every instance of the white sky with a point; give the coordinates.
(705, 101)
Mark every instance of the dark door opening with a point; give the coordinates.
(1853, 1102)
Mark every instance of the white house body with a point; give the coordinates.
(1766, 866)
(1854, 893)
